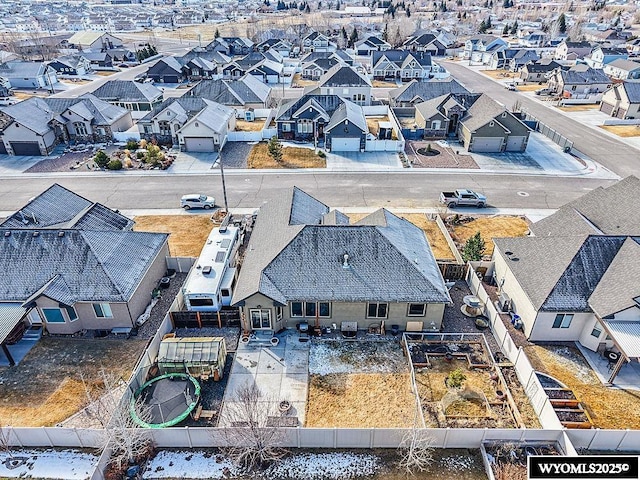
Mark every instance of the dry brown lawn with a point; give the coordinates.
(301, 82)
(491, 227)
(578, 108)
(609, 408)
(188, 232)
(383, 84)
(364, 400)
(500, 74)
(47, 386)
(244, 126)
(292, 157)
(373, 123)
(623, 130)
(105, 73)
(530, 87)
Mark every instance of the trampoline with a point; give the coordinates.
(171, 399)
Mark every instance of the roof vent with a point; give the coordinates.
(515, 259)
(508, 253)
(36, 234)
(7, 233)
(206, 270)
(345, 261)
(61, 234)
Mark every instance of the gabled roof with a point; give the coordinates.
(127, 91)
(171, 62)
(248, 89)
(614, 210)
(75, 265)
(348, 111)
(325, 104)
(89, 107)
(632, 89)
(400, 57)
(33, 113)
(58, 207)
(483, 110)
(19, 69)
(214, 116)
(293, 256)
(343, 76)
(427, 90)
(184, 108)
(624, 64)
(542, 66)
(579, 75)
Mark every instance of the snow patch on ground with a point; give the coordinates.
(189, 464)
(328, 357)
(574, 362)
(57, 464)
(457, 463)
(329, 466)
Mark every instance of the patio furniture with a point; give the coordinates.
(374, 329)
(349, 329)
(303, 329)
(472, 306)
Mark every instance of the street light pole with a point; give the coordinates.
(224, 186)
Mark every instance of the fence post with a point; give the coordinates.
(75, 430)
(298, 436)
(335, 437)
(484, 435)
(595, 434)
(186, 429)
(446, 437)
(626, 432)
(44, 429)
(372, 437)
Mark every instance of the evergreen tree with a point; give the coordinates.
(473, 248)
(483, 27)
(514, 29)
(385, 33)
(274, 148)
(562, 24)
(505, 30)
(338, 5)
(307, 9)
(101, 159)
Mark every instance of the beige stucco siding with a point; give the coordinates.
(87, 319)
(142, 295)
(543, 330)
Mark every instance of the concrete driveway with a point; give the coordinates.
(541, 156)
(193, 162)
(354, 161)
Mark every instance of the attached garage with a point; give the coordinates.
(3, 149)
(606, 108)
(343, 144)
(486, 144)
(516, 144)
(25, 148)
(198, 144)
(170, 79)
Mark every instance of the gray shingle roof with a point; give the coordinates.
(33, 113)
(614, 210)
(215, 116)
(127, 91)
(78, 266)
(348, 111)
(232, 92)
(89, 107)
(10, 316)
(58, 207)
(426, 90)
(343, 76)
(391, 261)
(632, 89)
(483, 110)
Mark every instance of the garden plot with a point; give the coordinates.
(359, 384)
(57, 464)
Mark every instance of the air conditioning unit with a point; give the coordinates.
(504, 303)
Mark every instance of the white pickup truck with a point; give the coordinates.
(461, 198)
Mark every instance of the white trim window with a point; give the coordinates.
(305, 126)
(377, 310)
(562, 320)
(102, 310)
(416, 310)
(260, 318)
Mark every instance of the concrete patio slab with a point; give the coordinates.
(628, 378)
(339, 161)
(189, 162)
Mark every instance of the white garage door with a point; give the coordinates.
(341, 144)
(198, 144)
(486, 144)
(515, 144)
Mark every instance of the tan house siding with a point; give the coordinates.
(87, 319)
(142, 295)
(543, 330)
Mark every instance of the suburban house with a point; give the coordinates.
(167, 118)
(572, 51)
(415, 92)
(134, 96)
(579, 81)
(207, 130)
(622, 69)
(283, 47)
(300, 251)
(574, 280)
(34, 126)
(479, 48)
(93, 41)
(231, 46)
(347, 83)
(425, 42)
(31, 75)
(244, 93)
(537, 72)
(313, 70)
(329, 120)
(512, 59)
(200, 63)
(166, 70)
(405, 65)
(317, 42)
(71, 65)
(622, 101)
(64, 271)
(340, 55)
(99, 60)
(440, 116)
(534, 40)
(371, 44)
(601, 56)
(489, 127)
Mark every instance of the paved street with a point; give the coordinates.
(613, 154)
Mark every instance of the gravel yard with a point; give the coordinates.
(234, 154)
(160, 309)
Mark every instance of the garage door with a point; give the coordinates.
(341, 144)
(198, 144)
(486, 144)
(515, 144)
(3, 149)
(25, 148)
(606, 108)
(170, 79)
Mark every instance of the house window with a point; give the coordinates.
(310, 309)
(596, 332)
(305, 126)
(435, 125)
(102, 310)
(71, 313)
(324, 309)
(80, 128)
(260, 319)
(417, 310)
(286, 127)
(165, 128)
(377, 310)
(53, 315)
(563, 320)
(296, 309)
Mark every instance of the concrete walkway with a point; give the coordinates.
(281, 373)
(348, 161)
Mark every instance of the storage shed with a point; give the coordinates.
(201, 357)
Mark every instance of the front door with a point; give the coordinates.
(453, 124)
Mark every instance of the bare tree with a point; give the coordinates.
(252, 441)
(416, 448)
(112, 411)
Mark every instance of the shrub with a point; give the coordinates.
(114, 165)
(140, 155)
(321, 154)
(143, 143)
(474, 248)
(101, 159)
(429, 149)
(456, 378)
(132, 144)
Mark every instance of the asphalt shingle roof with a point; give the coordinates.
(483, 110)
(343, 76)
(426, 90)
(127, 91)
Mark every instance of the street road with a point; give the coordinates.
(616, 156)
(412, 189)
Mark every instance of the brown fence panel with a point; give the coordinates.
(224, 318)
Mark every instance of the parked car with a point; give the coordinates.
(463, 198)
(511, 86)
(543, 91)
(197, 200)
(123, 65)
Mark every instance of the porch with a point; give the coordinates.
(628, 378)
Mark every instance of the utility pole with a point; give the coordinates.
(224, 187)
